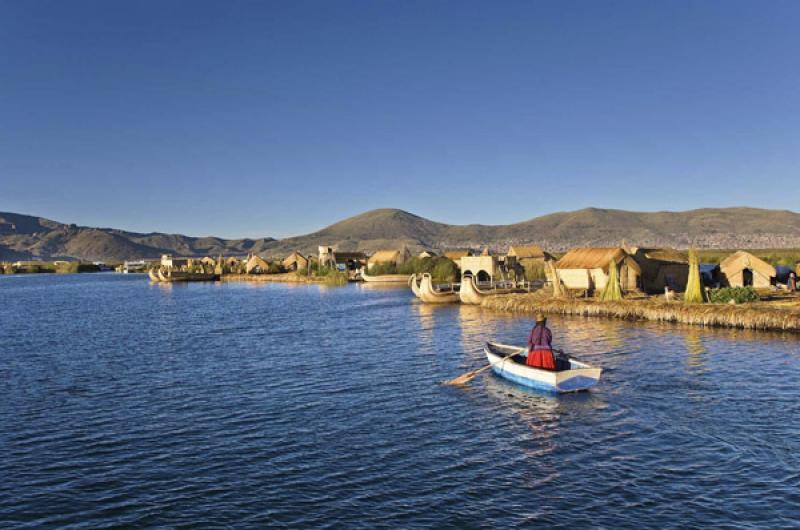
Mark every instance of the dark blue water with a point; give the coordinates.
(125, 404)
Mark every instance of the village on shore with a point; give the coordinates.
(740, 290)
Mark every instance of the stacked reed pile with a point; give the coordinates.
(760, 316)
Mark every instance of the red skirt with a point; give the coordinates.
(541, 359)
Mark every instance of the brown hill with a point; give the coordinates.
(24, 236)
(704, 228)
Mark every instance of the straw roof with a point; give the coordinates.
(384, 256)
(595, 258)
(256, 262)
(744, 260)
(456, 255)
(526, 251)
(665, 254)
(295, 257)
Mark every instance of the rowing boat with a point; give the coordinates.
(471, 293)
(579, 377)
(436, 295)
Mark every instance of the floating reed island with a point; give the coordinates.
(757, 316)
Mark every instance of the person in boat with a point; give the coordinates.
(540, 348)
(540, 345)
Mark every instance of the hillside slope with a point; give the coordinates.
(706, 228)
(24, 236)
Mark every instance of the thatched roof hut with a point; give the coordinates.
(398, 257)
(526, 258)
(256, 265)
(295, 261)
(662, 267)
(742, 269)
(588, 268)
(527, 252)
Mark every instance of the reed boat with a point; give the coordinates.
(471, 293)
(414, 282)
(435, 295)
(153, 276)
(579, 377)
(385, 278)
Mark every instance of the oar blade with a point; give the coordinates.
(462, 379)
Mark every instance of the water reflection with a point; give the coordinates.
(696, 351)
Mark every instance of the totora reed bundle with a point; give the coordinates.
(695, 294)
(612, 292)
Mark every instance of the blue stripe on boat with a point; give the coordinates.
(524, 381)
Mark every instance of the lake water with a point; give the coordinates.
(126, 404)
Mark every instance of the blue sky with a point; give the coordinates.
(276, 118)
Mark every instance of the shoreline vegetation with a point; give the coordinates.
(775, 315)
(49, 267)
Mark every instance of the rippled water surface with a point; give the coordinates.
(236, 405)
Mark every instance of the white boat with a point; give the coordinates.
(436, 295)
(180, 276)
(472, 293)
(579, 377)
(385, 278)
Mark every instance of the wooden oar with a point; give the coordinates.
(469, 376)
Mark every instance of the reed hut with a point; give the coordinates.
(742, 269)
(397, 257)
(662, 267)
(295, 262)
(526, 257)
(588, 268)
(256, 265)
(208, 261)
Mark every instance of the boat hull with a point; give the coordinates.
(414, 281)
(175, 277)
(580, 377)
(471, 294)
(386, 278)
(153, 276)
(431, 296)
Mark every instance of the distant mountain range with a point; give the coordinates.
(24, 237)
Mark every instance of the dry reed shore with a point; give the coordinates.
(756, 316)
